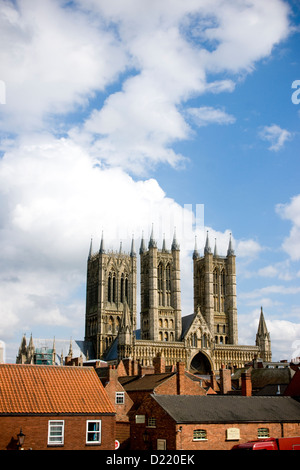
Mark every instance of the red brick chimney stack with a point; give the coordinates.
(180, 378)
(225, 380)
(159, 363)
(246, 384)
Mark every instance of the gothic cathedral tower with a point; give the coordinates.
(160, 292)
(215, 292)
(111, 291)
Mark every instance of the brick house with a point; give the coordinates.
(56, 407)
(211, 422)
(120, 399)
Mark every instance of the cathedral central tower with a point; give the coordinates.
(160, 292)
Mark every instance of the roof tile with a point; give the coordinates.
(51, 389)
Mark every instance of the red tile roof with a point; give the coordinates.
(51, 389)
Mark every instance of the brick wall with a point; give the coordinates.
(181, 436)
(35, 429)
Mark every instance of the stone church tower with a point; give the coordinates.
(111, 289)
(160, 292)
(215, 292)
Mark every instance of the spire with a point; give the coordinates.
(164, 244)
(195, 254)
(120, 250)
(230, 251)
(175, 244)
(216, 250)
(91, 249)
(132, 251)
(142, 247)
(102, 250)
(152, 242)
(207, 248)
(70, 354)
(262, 327)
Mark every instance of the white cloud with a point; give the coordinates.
(208, 115)
(276, 136)
(291, 211)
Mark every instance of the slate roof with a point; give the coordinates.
(145, 383)
(266, 376)
(229, 409)
(32, 389)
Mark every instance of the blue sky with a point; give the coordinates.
(119, 115)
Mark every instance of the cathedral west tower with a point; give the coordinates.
(111, 290)
(215, 292)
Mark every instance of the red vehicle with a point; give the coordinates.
(283, 443)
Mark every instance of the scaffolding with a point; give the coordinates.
(44, 356)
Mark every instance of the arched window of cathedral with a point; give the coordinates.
(216, 339)
(122, 289)
(166, 336)
(223, 282)
(216, 290)
(160, 336)
(168, 278)
(223, 289)
(114, 293)
(160, 283)
(110, 324)
(221, 339)
(160, 323)
(171, 336)
(117, 324)
(168, 284)
(171, 323)
(166, 323)
(195, 340)
(126, 289)
(109, 287)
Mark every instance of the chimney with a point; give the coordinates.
(113, 375)
(180, 378)
(213, 381)
(225, 380)
(246, 384)
(159, 363)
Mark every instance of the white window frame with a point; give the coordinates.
(151, 422)
(59, 423)
(120, 398)
(263, 433)
(199, 434)
(98, 431)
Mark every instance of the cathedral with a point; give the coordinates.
(204, 340)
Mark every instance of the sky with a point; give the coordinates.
(120, 116)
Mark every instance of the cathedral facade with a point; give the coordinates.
(204, 340)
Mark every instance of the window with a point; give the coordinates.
(120, 398)
(263, 433)
(199, 435)
(93, 432)
(152, 422)
(56, 432)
